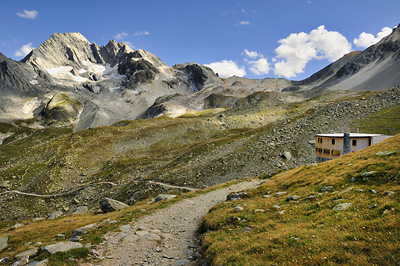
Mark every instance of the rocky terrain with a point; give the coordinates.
(115, 83)
(82, 122)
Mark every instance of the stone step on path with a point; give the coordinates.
(166, 237)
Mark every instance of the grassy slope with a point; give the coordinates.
(309, 231)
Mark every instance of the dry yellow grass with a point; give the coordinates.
(307, 231)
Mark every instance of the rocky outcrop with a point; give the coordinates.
(62, 110)
(61, 247)
(110, 205)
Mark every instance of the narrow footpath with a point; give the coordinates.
(166, 237)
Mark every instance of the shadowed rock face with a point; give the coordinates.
(62, 110)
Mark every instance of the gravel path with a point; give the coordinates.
(166, 237)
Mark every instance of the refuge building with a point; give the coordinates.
(332, 146)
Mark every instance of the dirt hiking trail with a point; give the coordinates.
(166, 237)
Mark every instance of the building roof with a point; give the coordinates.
(352, 135)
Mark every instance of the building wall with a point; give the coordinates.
(328, 150)
(361, 143)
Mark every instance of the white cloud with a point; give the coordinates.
(28, 14)
(259, 67)
(298, 49)
(252, 54)
(24, 50)
(227, 69)
(139, 33)
(121, 35)
(365, 40)
(130, 44)
(243, 23)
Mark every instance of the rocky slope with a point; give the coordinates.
(115, 83)
(133, 160)
(373, 69)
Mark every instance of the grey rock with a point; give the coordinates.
(161, 197)
(130, 238)
(16, 226)
(182, 262)
(80, 210)
(267, 196)
(259, 210)
(28, 254)
(280, 193)
(125, 227)
(75, 239)
(247, 229)
(276, 206)
(342, 206)
(389, 193)
(62, 247)
(312, 142)
(286, 155)
(83, 230)
(385, 153)
(54, 215)
(373, 191)
(152, 237)
(292, 198)
(238, 209)
(38, 263)
(110, 205)
(368, 173)
(346, 190)
(327, 188)
(3, 242)
(235, 196)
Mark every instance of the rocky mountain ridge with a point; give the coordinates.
(115, 83)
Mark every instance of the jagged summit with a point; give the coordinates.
(114, 82)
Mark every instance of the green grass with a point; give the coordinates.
(386, 121)
(310, 232)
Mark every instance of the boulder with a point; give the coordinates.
(27, 254)
(286, 155)
(81, 210)
(235, 196)
(54, 215)
(38, 263)
(342, 206)
(62, 247)
(292, 197)
(238, 209)
(83, 230)
(110, 205)
(3, 242)
(161, 197)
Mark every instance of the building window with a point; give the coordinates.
(333, 141)
(354, 142)
(319, 150)
(319, 140)
(335, 153)
(326, 151)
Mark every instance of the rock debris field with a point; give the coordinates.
(166, 237)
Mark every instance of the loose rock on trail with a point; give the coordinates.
(166, 237)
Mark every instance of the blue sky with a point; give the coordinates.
(252, 38)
